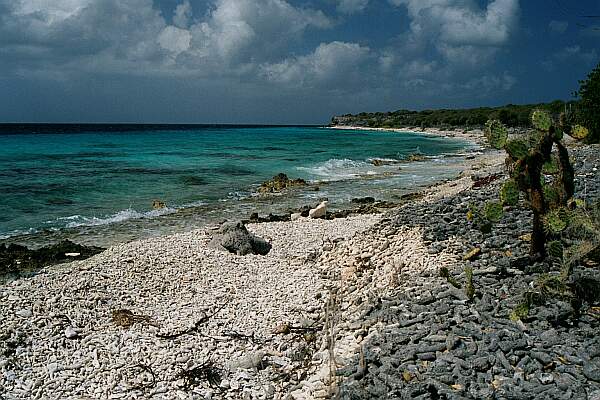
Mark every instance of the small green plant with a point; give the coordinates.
(469, 287)
(445, 273)
(509, 194)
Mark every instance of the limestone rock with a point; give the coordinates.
(318, 212)
(235, 238)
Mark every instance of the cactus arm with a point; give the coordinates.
(567, 174)
(535, 161)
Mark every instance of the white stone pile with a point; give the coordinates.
(58, 339)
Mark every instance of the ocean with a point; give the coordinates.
(95, 184)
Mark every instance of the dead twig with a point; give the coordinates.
(195, 328)
(143, 386)
(206, 372)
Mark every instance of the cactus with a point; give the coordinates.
(509, 194)
(445, 273)
(496, 133)
(493, 211)
(528, 159)
(521, 311)
(517, 149)
(551, 166)
(552, 196)
(555, 221)
(541, 120)
(579, 132)
(556, 249)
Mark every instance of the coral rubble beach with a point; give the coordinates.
(352, 306)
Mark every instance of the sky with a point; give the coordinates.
(285, 61)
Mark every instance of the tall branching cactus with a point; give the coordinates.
(528, 160)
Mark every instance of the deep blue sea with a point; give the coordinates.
(96, 183)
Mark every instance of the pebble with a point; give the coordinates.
(70, 333)
(24, 313)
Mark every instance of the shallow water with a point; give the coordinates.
(96, 184)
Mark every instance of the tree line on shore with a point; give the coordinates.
(510, 115)
(585, 108)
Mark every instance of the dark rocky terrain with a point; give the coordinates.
(427, 339)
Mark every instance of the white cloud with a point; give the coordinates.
(243, 31)
(48, 11)
(352, 6)
(232, 36)
(330, 63)
(174, 39)
(459, 29)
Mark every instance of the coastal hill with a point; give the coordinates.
(511, 115)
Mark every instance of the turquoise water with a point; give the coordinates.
(98, 185)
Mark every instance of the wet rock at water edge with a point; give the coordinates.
(158, 204)
(15, 258)
(279, 183)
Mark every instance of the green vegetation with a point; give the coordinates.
(527, 161)
(510, 115)
(588, 108)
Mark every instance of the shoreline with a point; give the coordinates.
(171, 283)
(168, 221)
(474, 136)
(476, 161)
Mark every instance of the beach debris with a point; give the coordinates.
(363, 200)
(472, 254)
(282, 329)
(481, 181)
(72, 254)
(255, 218)
(248, 361)
(24, 313)
(319, 212)
(206, 372)
(158, 204)
(235, 238)
(279, 183)
(126, 318)
(140, 377)
(378, 162)
(196, 327)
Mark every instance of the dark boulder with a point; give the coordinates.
(235, 238)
